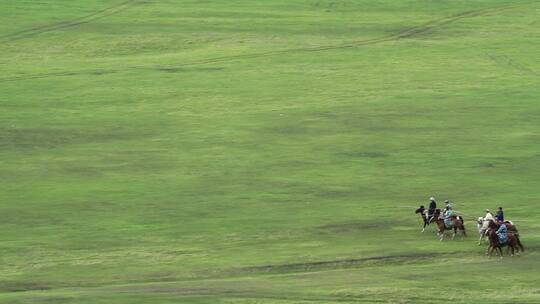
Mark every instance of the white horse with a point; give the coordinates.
(482, 226)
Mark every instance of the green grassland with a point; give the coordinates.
(265, 151)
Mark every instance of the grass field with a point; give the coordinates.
(265, 151)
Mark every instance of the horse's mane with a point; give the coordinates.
(493, 225)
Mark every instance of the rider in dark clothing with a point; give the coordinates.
(500, 215)
(432, 207)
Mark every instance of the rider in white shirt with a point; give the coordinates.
(488, 216)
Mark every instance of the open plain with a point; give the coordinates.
(265, 151)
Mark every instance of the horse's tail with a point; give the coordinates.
(462, 225)
(519, 243)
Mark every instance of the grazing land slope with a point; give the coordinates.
(265, 152)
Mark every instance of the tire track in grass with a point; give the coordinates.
(66, 24)
(408, 33)
(326, 265)
(504, 60)
(228, 292)
(339, 264)
(60, 74)
(165, 286)
(203, 287)
(272, 270)
(253, 294)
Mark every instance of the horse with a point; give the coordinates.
(425, 217)
(512, 230)
(495, 244)
(482, 226)
(457, 223)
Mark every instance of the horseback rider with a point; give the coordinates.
(431, 208)
(448, 215)
(447, 205)
(500, 215)
(502, 233)
(483, 224)
(488, 216)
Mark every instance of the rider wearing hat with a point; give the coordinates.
(448, 214)
(447, 205)
(488, 216)
(431, 208)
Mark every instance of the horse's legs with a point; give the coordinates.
(500, 251)
(512, 244)
(455, 232)
(490, 250)
(510, 250)
(481, 238)
(517, 246)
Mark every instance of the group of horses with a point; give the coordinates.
(485, 229)
(489, 228)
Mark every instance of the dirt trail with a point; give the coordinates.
(66, 24)
(408, 33)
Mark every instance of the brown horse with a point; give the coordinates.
(512, 233)
(457, 224)
(495, 244)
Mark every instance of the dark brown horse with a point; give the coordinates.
(495, 244)
(513, 236)
(457, 224)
